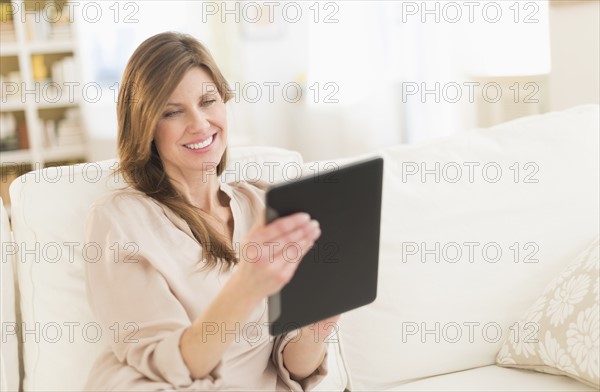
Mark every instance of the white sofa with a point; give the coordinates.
(439, 319)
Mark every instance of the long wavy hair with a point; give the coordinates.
(150, 77)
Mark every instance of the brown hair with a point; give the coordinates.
(152, 74)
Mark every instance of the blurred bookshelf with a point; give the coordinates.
(40, 116)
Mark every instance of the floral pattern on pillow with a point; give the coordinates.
(560, 333)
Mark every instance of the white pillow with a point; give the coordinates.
(48, 217)
(434, 317)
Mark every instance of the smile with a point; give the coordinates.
(196, 146)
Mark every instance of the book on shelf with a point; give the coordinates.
(47, 25)
(64, 71)
(38, 67)
(7, 25)
(69, 129)
(11, 85)
(23, 136)
(13, 133)
(60, 32)
(48, 128)
(9, 139)
(64, 132)
(6, 11)
(7, 32)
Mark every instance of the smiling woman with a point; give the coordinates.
(197, 327)
(152, 116)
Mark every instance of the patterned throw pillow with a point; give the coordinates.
(559, 334)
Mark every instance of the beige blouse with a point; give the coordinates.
(147, 287)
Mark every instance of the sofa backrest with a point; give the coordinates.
(473, 228)
(60, 337)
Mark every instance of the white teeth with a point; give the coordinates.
(197, 146)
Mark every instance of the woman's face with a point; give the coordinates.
(191, 135)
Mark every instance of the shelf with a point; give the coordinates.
(31, 60)
(15, 156)
(46, 47)
(63, 103)
(9, 49)
(12, 106)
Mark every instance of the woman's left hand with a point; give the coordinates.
(305, 353)
(321, 329)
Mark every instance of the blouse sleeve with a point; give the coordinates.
(307, 384)
(131, 299)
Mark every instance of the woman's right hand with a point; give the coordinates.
(270, 254)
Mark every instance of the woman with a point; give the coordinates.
(182, 297)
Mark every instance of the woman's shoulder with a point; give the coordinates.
(121, 195)
(126, 212)
(127, 200)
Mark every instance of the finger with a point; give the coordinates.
(282, 226)
(303, 238)
(292, 253)
(294, 246)
(287, 267)
(308, 231)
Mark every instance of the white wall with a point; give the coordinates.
(377, 116)
(575, 51)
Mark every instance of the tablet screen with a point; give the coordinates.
(339, 273)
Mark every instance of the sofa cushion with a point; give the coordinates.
(473, 228)
(493, 379)
(49, 208)
(560, 333)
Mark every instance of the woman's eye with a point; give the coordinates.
(209, 102)
(171, 114)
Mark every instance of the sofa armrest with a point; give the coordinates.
(10, 360)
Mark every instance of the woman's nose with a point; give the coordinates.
(199, 121)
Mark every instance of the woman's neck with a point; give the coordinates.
(204, 193)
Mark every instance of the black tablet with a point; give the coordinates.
(339, 273)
